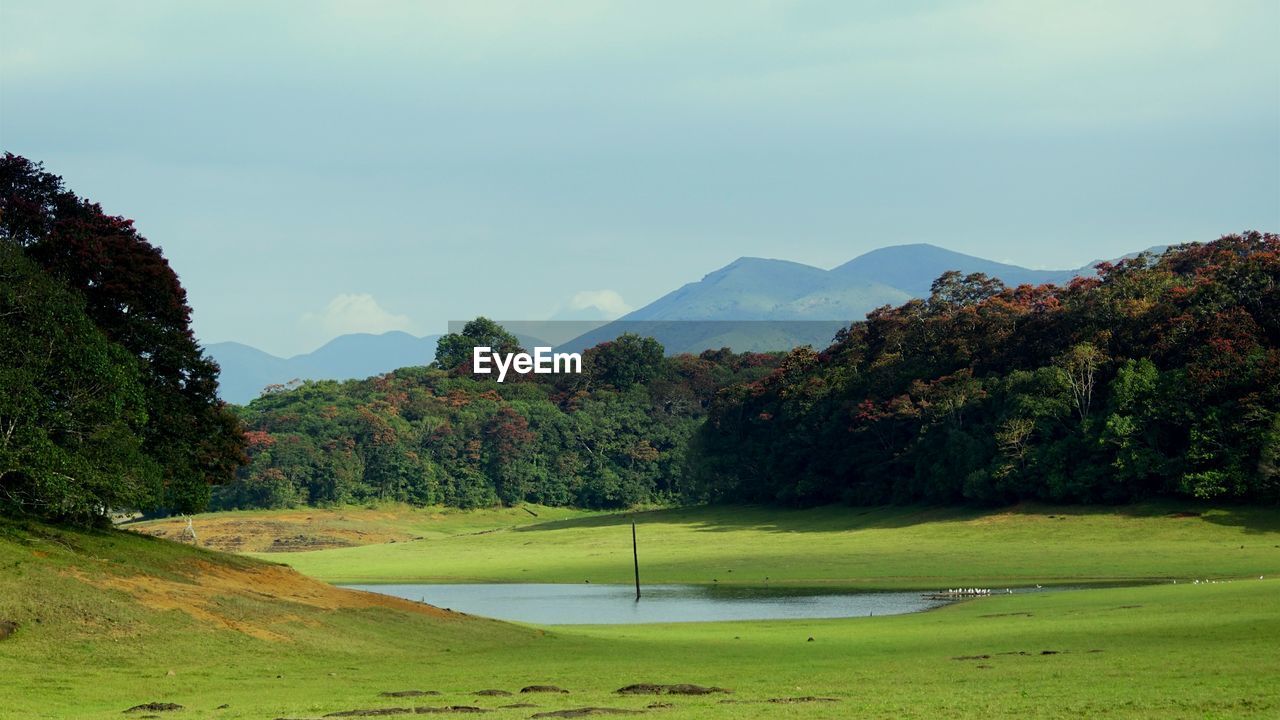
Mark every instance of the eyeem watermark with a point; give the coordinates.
(541, 362)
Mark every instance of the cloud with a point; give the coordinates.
(355, 313)
(607, 300)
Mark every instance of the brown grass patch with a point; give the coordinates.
(205, 587)
(282, 532)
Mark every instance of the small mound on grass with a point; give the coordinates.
(678, 689)
(154, 707)
(585, 712)
(409, 693)
(544, 689)
(377, 712)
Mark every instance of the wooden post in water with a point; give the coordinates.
(635, 556)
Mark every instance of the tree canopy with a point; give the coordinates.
(72, 413)
(454, 350)
(1160, 376)
(612, 437)
(131, 295)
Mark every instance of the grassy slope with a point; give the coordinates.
(105, 616)
(1171, 651)
(881, 548)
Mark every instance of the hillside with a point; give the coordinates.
(129, 619)
(1117, 388)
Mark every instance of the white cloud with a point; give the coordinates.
(355, 313)
(607, 300)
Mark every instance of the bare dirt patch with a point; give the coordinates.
(409, 693)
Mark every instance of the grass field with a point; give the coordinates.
(271, 531)
(110, 620)
(883, 548)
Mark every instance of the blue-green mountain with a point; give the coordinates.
(750, 304)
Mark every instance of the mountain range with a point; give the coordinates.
(750, 304)
(247, 370)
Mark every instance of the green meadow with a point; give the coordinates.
(882, 548)
(109, 620)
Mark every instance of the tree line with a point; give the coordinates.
(613, 436)
(1158, 377)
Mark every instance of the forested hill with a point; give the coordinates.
(614, 436)
(1161, 376)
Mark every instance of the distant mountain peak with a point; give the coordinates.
(914, 267)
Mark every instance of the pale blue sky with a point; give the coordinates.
(312, 168)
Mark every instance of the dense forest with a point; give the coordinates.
(1158, 377)
(613, 436)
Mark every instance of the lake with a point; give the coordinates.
(563, 604)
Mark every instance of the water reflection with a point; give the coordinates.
(560, 604)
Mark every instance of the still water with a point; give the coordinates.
(548, 604)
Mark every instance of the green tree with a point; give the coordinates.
(72, 410)
(629, 360)
(454, 350)
(135, 298)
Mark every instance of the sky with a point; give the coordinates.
(317, 168)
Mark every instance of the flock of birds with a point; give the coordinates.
(973, 591)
